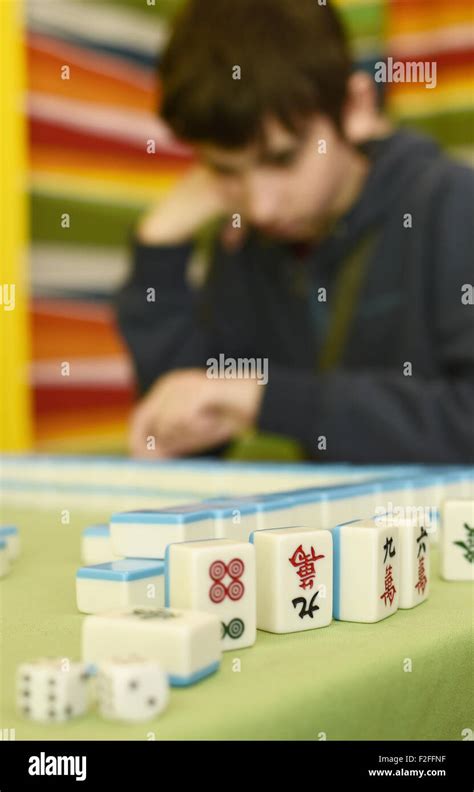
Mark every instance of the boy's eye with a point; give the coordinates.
(222, 170)
(283, 160)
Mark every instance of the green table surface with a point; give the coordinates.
(343, 682)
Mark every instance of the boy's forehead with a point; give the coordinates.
(276, 138)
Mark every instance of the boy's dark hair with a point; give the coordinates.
(294, 61)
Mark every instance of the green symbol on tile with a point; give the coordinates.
(468, 545)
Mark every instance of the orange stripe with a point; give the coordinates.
(44, 74)
(56, 337)
(403, 20)
(45, 158)
(92, 427)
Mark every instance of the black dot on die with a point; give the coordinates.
(52, 697)
(26, 710)
(84, 677)
(51, 681)
(133, 684)
(26, 693)
(68, 711)
(151, 702)
(52, 713)
(26, 677)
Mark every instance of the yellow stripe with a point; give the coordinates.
(16, 421)
(101, 438)
(101, 185)
(403, 21)
(423, 101)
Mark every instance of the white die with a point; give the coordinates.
(294, 579)
(457, 540)
(131, 689)
(52, 690)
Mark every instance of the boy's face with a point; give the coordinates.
(291, 189)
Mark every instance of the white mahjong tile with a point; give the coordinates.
(217, 576)
(366, 571)
(457, 539)
(146, 533)
(126, 584)
(186, 643)
(294, 579)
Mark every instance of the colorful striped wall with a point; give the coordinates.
(88, 162)
(90, 176)
(440, 31)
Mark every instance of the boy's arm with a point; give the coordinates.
(171, 339)
(159, 314)
(156, 312)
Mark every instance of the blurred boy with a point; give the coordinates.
(342, 257)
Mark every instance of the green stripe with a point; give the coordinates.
(366, 20)
(163, 8)
(260, 446)
(450, 128)
(91, 223)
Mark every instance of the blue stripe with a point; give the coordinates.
(135, 56)
(8, 530)
(123, 571)
(183, 681)
(167, 576)
(173, 679)
(225, 507)
(97, 530)
(172, 516)
(336, 571)
(252, 504)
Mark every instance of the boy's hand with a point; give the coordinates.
(186, 412)
(194, 201)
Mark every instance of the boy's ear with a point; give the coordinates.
(361, 118)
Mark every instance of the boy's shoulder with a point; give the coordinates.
(451, 229)
(457, 190)
(444, 187)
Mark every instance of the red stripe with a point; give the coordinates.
(50, 134)
(444, 59)
(49, 399)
